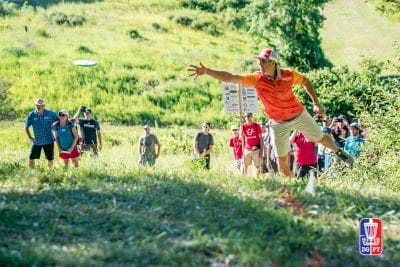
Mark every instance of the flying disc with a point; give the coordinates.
(85, 63)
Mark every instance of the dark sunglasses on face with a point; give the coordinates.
(263, 60)
(62, 115)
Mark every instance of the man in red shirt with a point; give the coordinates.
(274, 88)
(306, 156)
(236, 144)
(253, 147)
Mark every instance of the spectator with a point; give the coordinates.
(265, 139)
(41, 121)
(272, 163)
(251, 135)
(203, 144)
(274, 88)
(355, 140)
(90, 131)
(236, 144)
(306, 158)
(66, 139)
(324, 159)
(147, 149)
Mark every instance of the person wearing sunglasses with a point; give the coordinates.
(66, 139)
(41, 120)
(273, 85)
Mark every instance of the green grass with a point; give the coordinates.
(112, 212)
(353, 30)
(38, 63)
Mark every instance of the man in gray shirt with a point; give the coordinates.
(147, 150)
(203, 144)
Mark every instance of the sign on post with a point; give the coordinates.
(239, 99)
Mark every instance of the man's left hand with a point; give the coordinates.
(318, 109)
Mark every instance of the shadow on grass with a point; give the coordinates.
(163, 221)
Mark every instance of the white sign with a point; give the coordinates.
(231, 93)
(249, 100)
(231, 97)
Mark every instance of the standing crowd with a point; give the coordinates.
(268, 147)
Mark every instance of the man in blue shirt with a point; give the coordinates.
(355, 140)
(41, 121)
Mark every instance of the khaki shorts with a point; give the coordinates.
(252, 156)
(281, 130)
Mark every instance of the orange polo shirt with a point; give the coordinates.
(277, 95)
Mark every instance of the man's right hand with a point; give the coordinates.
(197, 70)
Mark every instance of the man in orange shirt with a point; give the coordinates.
(274, 88)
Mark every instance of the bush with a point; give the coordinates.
(158, 27)
(184, 21)
(43, 33)
(134, 34)
(7, 9)
(85, 49)
(7, 110)
(60, 18)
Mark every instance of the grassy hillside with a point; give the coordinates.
(353, 29)
(142, 48)
(111, 212)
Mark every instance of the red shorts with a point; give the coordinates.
(72, 155)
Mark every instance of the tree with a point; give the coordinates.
(290, 26)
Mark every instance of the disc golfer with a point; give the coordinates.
(274, 88)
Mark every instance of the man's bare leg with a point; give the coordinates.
(284, 167)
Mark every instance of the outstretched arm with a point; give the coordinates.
(317, 107)
(76, 116)
(223, 76)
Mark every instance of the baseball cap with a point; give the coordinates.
(268, 53)
(146, 127)
(39, 102)
(356, 125)
(88, 110)
(63, 111)
(234, 127)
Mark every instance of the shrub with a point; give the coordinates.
(134, 34)
(43, 33)
(184, 21)
(7, 110)
(60, 18)
(85, 49)
(7, 9)
(158, 27)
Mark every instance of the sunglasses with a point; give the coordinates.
(263, 60)
(62, 115)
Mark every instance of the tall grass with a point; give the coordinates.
(110, 211)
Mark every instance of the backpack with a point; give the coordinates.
(70, 124)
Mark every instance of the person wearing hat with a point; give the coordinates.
(90, 131)
(236, 144)
(252, 142)
(147, 150)
(66, 139)
(355, 140)
(273, 85)
(41, 120)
